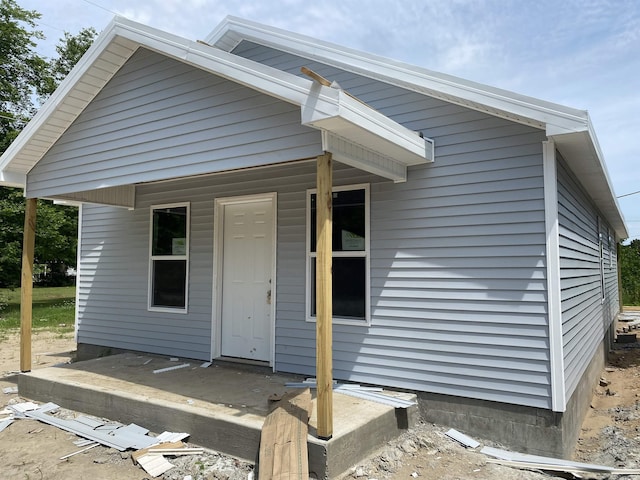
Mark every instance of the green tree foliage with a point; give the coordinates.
(630, 272)
(70, 50)
(21, 69)
(56, 238)
(25, 79)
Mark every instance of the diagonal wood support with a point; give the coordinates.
(26, 286)
(324, 297)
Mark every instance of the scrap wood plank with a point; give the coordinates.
(144, 451)
(283, 441)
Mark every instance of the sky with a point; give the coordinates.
(583, 54)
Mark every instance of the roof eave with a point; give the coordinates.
(123, 37)
(582, 153)
(9, 178)
(564, 124)
(499, 102)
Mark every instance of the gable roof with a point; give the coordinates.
(571, 129)
(355, 133)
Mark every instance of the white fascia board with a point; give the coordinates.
(560, 118)
(334, 111)
(582, 153)
(269, 80)
(12, 179)
(57, 98)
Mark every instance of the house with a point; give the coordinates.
(474, 229)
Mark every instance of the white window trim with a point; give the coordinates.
(366, 254)
(150, 306)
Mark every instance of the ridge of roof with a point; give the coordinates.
(554, 117)
(570, 128)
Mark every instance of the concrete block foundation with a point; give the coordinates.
(525, 429)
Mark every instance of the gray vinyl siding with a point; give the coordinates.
(158, 118)
(587, 310)
(458, 271)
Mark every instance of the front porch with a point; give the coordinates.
(223, 406)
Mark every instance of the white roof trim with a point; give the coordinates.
(346, 121)
(558, 121)
(12, 179)
(123, 37)
(532, 111)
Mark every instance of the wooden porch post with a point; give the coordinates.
(324, 297)
(26, 287)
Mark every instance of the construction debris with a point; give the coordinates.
(80, 451)
(461, 438)
(150, 450)
(5, 423)
(176, 367)
(168, 445)
(283, 442)
(155, 465)
(373, 394)
(535, 462)
(10, 390)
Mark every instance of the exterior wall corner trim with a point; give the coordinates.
(558, 397)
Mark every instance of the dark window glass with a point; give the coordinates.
(169, 283)
(169, 231)
(349, 221)
(348, 286)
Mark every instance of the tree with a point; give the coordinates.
(21, 69)
(27, 79)
(70, 51)
(630, 272)
(56, 238)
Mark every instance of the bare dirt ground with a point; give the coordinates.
(32, 450)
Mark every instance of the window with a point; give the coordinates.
(601, 251)
(350, 254)
(169, 257)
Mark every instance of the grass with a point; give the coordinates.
(53, 309)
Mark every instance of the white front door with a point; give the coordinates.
(247, 270)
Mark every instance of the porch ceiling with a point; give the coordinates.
(355, 133)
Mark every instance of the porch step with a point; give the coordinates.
(222, 407)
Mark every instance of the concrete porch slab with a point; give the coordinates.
(223, 406)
